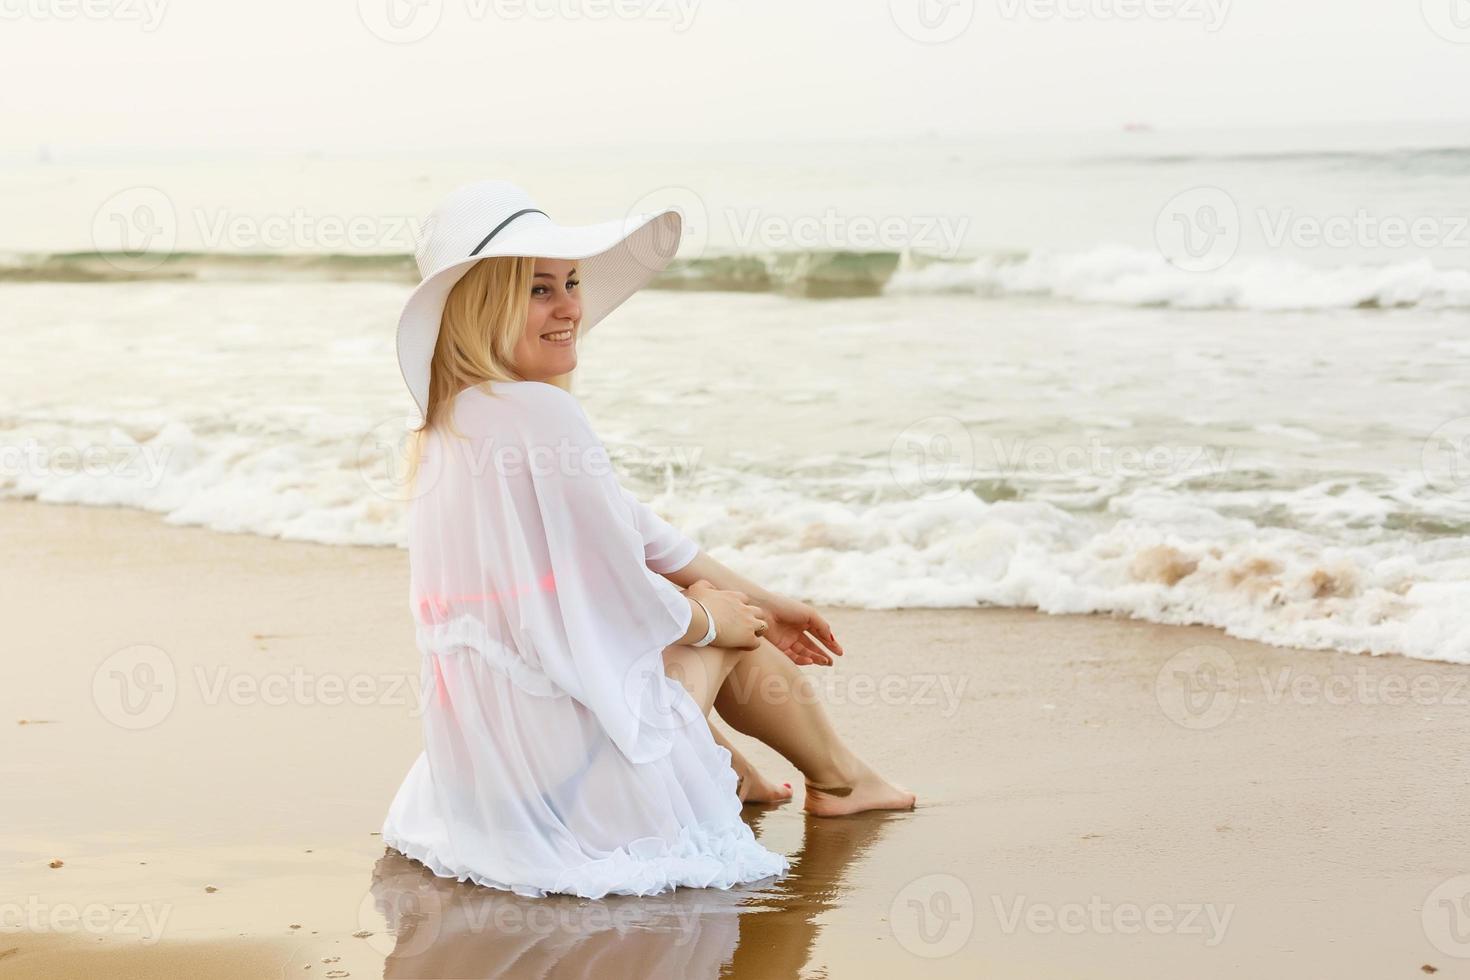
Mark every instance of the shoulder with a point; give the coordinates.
(529, 407)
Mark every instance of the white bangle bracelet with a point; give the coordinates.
(709, 636)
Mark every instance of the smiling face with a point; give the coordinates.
(549, 345)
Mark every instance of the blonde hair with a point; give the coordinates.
(484, 318)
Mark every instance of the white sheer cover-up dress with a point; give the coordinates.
(558, 756)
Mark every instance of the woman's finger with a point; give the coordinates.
(819, 626)
(813, 654)
(815, 642)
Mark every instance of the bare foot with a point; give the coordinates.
(752, 787)
(869, 791)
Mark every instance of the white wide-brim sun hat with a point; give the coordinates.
(491, 218)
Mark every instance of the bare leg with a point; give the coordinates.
(752, 786)
(701, 670)
(765, 696)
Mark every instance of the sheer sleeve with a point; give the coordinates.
(553, 540)
(665, 548)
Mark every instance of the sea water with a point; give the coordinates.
(1025, 393)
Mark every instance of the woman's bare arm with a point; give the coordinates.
(722, 576)
(796, 629)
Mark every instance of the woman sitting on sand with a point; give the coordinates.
(567, 678)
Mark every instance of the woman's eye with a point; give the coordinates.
(573, 284)
(537, 290)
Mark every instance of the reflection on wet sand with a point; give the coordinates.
(443, 928)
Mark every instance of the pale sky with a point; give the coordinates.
(291, 74)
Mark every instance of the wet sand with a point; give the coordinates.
(183, 710)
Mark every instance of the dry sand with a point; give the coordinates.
(183, 710)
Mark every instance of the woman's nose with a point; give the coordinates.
(569, 308)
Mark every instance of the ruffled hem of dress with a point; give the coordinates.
(702, 857)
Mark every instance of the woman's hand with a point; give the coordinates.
(798, 631)
(738, 624)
